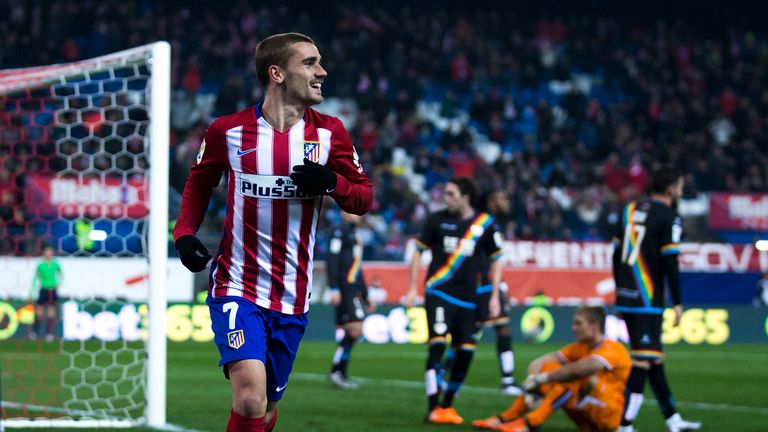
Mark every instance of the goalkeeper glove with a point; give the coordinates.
(314, 178)
(534, 381)
(193, 254)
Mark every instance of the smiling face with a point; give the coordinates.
(303, 75)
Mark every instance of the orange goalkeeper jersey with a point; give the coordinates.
(611, 382)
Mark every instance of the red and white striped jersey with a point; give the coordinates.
(268, 238)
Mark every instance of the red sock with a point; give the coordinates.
(271, 424)
(238, 423)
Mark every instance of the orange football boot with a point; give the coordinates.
(441, 415)
(518, 425)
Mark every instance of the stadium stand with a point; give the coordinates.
(566, 114)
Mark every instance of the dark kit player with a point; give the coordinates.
(457, 237)
(646, 247)
(349, 293)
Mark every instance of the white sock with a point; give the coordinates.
(507, 362)
(633, 407)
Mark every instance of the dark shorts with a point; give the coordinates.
(483, 313)
(243, 331)
(48, 297)
(350, 310)
(644, 336)
(445, 316)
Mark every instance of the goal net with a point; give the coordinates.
(84, 173)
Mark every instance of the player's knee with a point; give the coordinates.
(502, 330)
(250, 403)
(354, 332)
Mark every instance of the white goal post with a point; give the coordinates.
(145, 91)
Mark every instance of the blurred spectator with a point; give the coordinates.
(581, 106)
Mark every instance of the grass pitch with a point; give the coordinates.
(725, 387)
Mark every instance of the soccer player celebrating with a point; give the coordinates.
(457, 237)
(349, 293)
(280, 158)
(586, 379)
(644, 258)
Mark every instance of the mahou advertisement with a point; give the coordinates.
(738, 211)
(92, 197)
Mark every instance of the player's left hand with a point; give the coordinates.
(314, 178)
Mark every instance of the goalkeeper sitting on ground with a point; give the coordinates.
(586, 378)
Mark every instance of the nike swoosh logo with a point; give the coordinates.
(242, 153)
(281, 388)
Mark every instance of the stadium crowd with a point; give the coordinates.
(579, 107)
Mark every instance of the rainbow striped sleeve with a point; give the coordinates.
(421, 246)
(671, 249)
(497, 255)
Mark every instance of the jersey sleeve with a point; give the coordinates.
(203, 177)
(571, 352)
(617, 241)
(35, 278)
(618, 230)
(492, 242)
(672, 233)
(429, 237)
(353, 192)
(610, 355)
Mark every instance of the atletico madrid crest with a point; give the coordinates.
(312, 151)
(235, 339)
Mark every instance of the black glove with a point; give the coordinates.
(313, 178)
(193, 254)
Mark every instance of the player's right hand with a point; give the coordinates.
(678, 315)
(193, 253)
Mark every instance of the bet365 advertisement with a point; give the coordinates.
(113, 320)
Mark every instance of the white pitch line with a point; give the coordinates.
(696, 355)
(175, 428)
(494, 391)
(168, 426)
